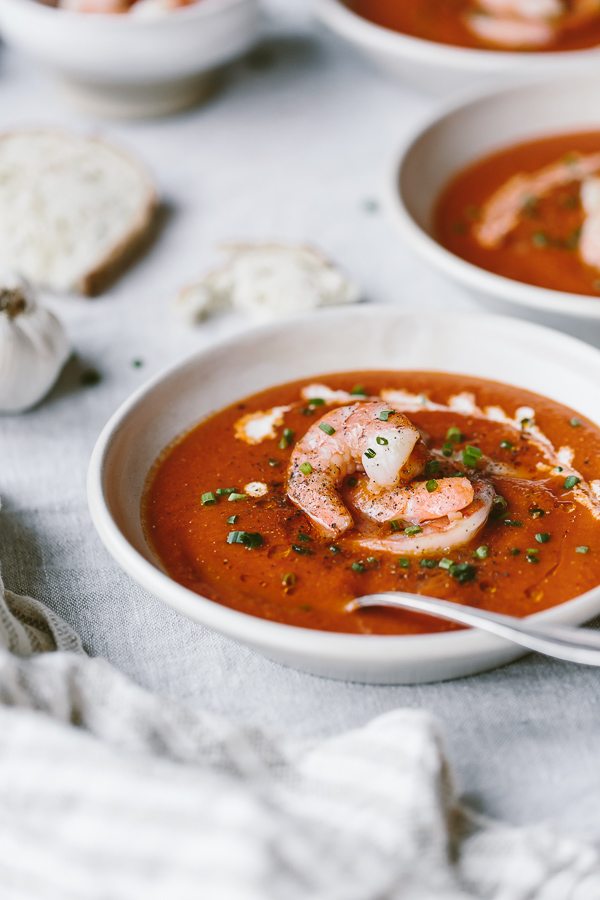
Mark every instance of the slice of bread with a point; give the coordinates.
(73, 210)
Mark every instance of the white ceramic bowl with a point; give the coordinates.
(463, 133)
(130, 65)
(369, 338)
(441, 68)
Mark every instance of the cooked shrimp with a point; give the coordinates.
(500, 215)
(523, 9)
(504, 31)
(533, 23)
(589, 239)
(372, 437)
(95, 6)
(415, 502)
(440, 535)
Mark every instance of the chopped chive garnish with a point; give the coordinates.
(542, 537)
(404, 562)
(395, 525)
(447, 449)
(333, 548)
(234, 497)
(558, 469)
(370, 453)
(352, 481)
(499, 506)
(359, 390)
(432, 466)
(582, 549)
(288, 580)
(571, 481)
(383, 442)
(506, 445)
(471, 456)
(428, 564)
(575, 422)
(209, 499)
(286, 438)
(385, 414)
(462, 572)
(274, 463)
(536, 513)
(358, 567)
(223, 491)
(372, 560)
(306, 468)
(531, 556)
(304, 537)
(431, 485)
(454, 435)
(250, 539)
(515, 551)
(316, 401)
(482, 552)
(326, 427)
(513, 523)
(445, 563)
(413, 529)
(301, 549)
(232, 520)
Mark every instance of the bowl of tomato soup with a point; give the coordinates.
(260, 499)
(443, 45)
(502, 193)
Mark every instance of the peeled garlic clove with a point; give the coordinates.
(33, 347)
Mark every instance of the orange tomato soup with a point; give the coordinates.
(544, 245)
(445, 22)
(540, 546)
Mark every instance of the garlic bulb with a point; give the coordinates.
(33, 347)
(268, 281)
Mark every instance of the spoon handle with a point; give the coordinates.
(560, 641)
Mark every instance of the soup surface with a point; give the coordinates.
(530, 212)
(236, 510)
(548, 25)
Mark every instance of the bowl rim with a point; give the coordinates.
(532, 296)
(199, 10)
(277, 636)
(345, 21)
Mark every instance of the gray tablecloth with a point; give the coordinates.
(295, 147)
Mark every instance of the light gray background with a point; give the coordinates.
(293, 150)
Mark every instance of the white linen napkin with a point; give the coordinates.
(108, 792)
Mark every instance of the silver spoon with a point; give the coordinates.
(561, 641)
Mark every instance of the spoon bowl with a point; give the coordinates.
(559, 641)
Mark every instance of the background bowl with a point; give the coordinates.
(442, 68)
(462, 134)
(129, 65)
(369, 338)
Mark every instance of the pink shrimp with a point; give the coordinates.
(438, 535)
(512, 24)
(95, 6)
(372, 437)
(504, 31)
(589, 239)
(415, 502)
(500, 215)
(523, 9)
